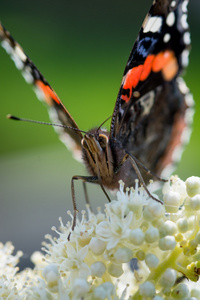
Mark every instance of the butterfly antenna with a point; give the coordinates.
(103, 123)
(43, 123)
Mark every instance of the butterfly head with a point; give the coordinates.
(95, 142)
(96, 152)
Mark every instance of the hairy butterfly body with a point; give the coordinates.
(153, 108)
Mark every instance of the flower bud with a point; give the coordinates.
(98, 269)
(140, 255)
(136, 236)
(50, 273)
(167, 243)
(168, 278)
(195, 202)
(123, 255)
(168, 228)
(181, 291)
(147, 289)
(172, 201)
(115, 270)
(103, 291)
(151, 235)
(182, 225)
(97, 246)
(151, 260)
(80, 287)
(153, 211)
(99, 293)
(193, 186)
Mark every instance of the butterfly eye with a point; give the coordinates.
(103, 140)
(84, 143)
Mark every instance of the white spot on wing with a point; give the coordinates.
(5, 44)
(182, 86)
(178, 151)
(189, 112)
(185, 57)
(184, 22)
(189, 100)
(64, 137)
(27, 76)
(185, 136)
(167, 37)
(153, 24)
(15, 55)
(167, 171)
(186, 38)
(173, 3)
(18, 63)
(20, 53)
(184, 6)
(39, 93)
(170, 19)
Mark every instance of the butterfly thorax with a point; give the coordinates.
(99, 156)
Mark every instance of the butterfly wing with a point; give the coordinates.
(57, 111)
(149, 117)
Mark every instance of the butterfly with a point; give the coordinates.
(153, 109)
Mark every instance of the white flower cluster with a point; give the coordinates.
(136, 249)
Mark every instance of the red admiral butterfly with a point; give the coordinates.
(152, 110)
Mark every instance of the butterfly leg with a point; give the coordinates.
(91, 179)
(147, 170)
(86, 194)
(137, 171)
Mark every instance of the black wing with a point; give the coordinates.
(57, 111)
(149, 117)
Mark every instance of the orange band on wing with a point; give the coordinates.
(164, 62)
(131, 81)
(133, 76)
(170, 70)
(48, 93)
(147, 67)
(161, 60)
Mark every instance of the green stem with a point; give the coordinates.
(190, 275)
(169, 262)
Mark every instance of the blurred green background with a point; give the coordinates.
(81, 47)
